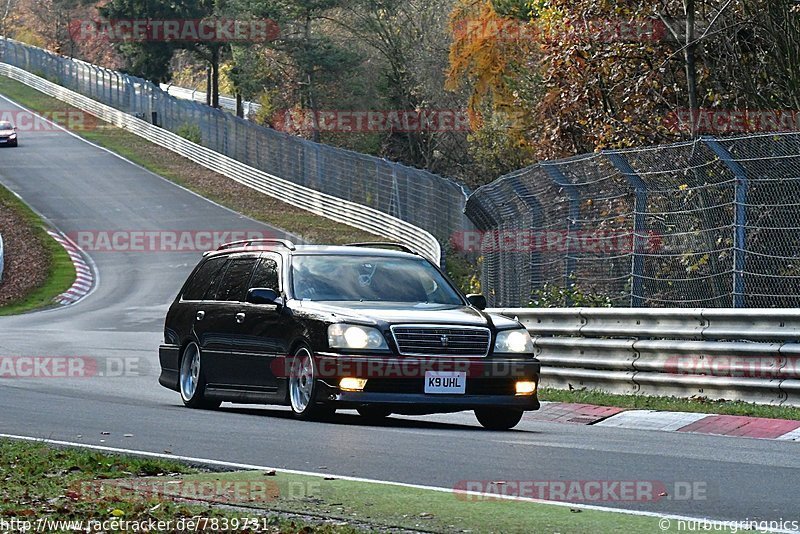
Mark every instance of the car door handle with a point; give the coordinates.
(200, 315)
(240, 317)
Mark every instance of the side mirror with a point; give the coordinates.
(263, 295)
(477, 300)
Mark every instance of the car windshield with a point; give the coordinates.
(5, 125)
(370, 279)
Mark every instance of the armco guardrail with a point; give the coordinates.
(336, 209)
(226, 102)
(739, 354)
(2, 258)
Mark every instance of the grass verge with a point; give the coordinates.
(673, 404)
(60, 271)
(74, 484)
(42, 485)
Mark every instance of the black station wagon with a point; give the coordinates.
(358, 327)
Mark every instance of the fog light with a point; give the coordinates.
(526, 388)
(352, 384)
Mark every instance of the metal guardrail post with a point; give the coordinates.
(740, 218)
(574, 214)
(640, 209)
(2, 259)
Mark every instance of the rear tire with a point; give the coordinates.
(303, 387)
(498, 418)
(192, 380)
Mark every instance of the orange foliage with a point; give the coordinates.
(599, 74)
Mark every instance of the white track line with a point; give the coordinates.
(235, 465)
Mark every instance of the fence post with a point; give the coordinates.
(395, 207)
(639, 209)
(740, 217)
(320, 170)
(574, 214)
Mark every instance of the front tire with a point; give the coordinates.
(303, 387)
(498, 418)
(192, 380)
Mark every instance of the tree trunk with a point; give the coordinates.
(312, 104)
(691, 68)
(215, 77)
(208, 86)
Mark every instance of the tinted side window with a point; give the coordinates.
(266, 274)
(202, 279)
(234, 284)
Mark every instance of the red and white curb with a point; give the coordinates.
(689, 422)
(84, 276)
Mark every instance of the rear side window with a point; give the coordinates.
(235, 282)
(202, 279)
(266, 274)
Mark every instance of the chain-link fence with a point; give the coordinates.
(426, 200)
(712, 223)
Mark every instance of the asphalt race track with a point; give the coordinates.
(79, 187)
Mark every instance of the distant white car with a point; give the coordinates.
(8, 134)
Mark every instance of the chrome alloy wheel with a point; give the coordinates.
(301, 381)
(190, 372)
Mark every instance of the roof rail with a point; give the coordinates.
(401, 246)
(250, 242)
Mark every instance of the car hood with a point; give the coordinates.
(395, 313)
(6, 133)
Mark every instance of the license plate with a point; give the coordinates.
(445, 382)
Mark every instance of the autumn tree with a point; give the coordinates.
(150, 59)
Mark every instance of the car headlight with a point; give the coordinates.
(513, 341)
(12, 136)
(349, 336)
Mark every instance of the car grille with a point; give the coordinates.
(432, 340)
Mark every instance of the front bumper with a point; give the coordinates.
(398, 384)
